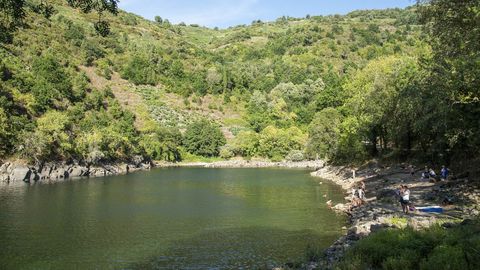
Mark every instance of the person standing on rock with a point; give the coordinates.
(361, 195)
(444, 173)
(405, 198)
(412, 171)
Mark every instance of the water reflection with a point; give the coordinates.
(167, 217)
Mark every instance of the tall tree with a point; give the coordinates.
(454, 34)
(11, 17)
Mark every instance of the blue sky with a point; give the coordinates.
(225, 13)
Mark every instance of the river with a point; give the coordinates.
(179, 218)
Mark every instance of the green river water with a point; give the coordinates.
(182, 218)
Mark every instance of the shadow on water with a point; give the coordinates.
(237, 248)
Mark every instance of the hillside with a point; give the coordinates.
(272, 88)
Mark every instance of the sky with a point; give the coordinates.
(225, 13)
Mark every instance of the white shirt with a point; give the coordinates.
(361, 194)
(406, 195)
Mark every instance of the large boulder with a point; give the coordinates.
(77, 171)
(98, 172)
(5, 170)
(58, 172)
(20, 173)
(45, 171)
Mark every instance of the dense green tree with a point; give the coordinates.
(204, 138)
(374, 94)
(51, 83)
(277, 143)
(246, 144)
(140, 70)
(454, 81)
(324, 134)
(162, 144)
(11, 17)
(51, 140)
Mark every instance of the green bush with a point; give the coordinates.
(434, 248)
(162, 144)
(139, 70)
(51, 83)
(324, 133)
(276, 143)
(204, 138)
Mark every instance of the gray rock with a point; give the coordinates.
(45, 171)
(98, 172)
(5, 168)
(138, 160)
(20, 173)
(377, 227)
(77, 171)
(34, 177)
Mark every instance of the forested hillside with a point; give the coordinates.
(387, 83)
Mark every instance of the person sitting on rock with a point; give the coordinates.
(426, 174)
(356, 193)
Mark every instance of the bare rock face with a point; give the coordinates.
(20, 173)
(77, 171)
(5, 170)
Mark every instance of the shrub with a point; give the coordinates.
(434, 248)
(246, 144)
(276, 143)
(324, 132)
(227, 152)
(204, 138)
(295, 155)
(139, 70)
(162, 144)
(51, 82)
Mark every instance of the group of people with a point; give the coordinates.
(429, 174)
(404, 194)
(358, 191)
(358, 194)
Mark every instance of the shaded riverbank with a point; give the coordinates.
(18, 172)
(382, 209)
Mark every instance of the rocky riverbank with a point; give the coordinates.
(18, 172)
(382, 209)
